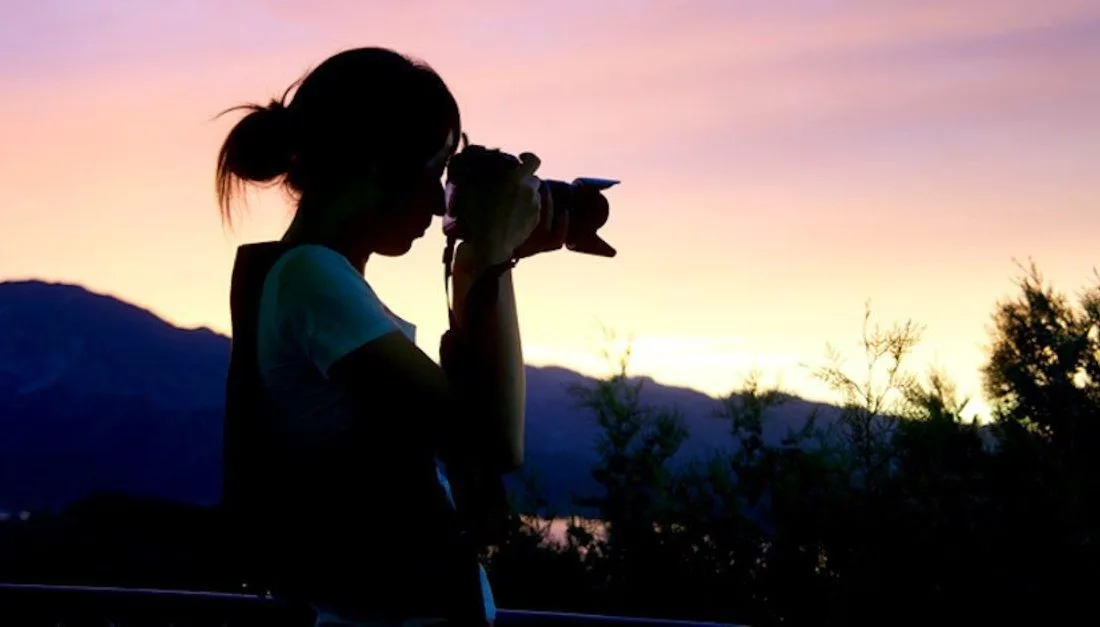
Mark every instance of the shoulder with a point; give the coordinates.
(314, 285)
(312, 262)
(319, 301)
(313, 272)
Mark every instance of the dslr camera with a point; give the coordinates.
(476, 167)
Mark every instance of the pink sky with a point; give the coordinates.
(782, 161)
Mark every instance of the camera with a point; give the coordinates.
(478, 167)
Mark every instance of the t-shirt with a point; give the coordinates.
(315, 309)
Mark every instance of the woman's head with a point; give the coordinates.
(364, 141)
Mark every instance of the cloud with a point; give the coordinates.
(610, 67)
(670, 91)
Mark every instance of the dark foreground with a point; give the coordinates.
(26, 604)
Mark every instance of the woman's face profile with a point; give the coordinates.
(394, 229)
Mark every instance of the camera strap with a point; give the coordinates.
(448, 270)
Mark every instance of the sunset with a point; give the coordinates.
(785, 168)
(782, 162)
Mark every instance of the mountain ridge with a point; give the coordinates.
(98, 394)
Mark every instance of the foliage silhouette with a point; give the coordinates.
(897, 508)
(900, 508)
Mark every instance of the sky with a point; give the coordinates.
(783, 162)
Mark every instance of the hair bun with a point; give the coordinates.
(263, 141)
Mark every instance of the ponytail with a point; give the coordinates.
(257, 150)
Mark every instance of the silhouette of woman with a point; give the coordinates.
(340, 433)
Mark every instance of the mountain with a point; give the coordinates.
(97, 394)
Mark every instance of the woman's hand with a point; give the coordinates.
(547, 236)
(512, 213)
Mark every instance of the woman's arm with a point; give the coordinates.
(494, 363)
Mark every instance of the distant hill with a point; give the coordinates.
(98, 394)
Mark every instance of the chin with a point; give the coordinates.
(396, 249)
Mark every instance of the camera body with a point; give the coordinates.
(478, 167)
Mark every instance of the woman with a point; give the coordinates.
(336, 422)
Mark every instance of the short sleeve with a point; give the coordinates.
(325, 306)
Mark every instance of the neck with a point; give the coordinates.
(303, 230)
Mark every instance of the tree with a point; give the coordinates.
(635, 446)
(1044, 366)
(894, 507)
(1043, 380)
(873, 400)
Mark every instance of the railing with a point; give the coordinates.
(87, 605)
